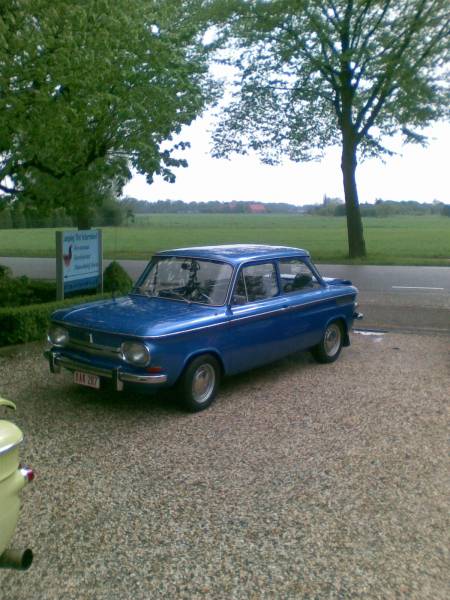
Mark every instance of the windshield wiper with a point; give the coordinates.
(172, 294)
(142, 292)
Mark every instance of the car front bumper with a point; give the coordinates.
(117, 375)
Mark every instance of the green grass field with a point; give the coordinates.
(397, 240)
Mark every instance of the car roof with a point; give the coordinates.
(237, 253)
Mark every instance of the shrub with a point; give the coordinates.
(19, 291)
(14, 291)
(22, 324)
(42, 291)
(116, 279)
(5, 272)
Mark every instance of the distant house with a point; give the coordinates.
(332, 201)
(256, 208)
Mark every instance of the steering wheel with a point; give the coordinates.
(200, 295)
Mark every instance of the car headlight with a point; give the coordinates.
(58, 336)
(135, 353)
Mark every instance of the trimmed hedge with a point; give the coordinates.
(21, 291)
(29, 323)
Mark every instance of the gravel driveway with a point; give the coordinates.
(302, 481)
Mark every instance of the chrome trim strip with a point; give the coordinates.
(221, 324)
(96, 349)
(73, 365)
(282, 309)
(142, 378)
(7, 449)
(68, 363)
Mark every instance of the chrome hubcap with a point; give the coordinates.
(332, 339)
(203, 383)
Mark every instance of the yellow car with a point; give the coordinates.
(13, 477)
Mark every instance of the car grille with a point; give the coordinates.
(94, 343)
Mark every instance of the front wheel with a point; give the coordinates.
(330, 346)
(200, 382)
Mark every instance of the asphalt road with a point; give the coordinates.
(391, 298)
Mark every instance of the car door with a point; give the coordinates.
(255, 308)
(308, 305)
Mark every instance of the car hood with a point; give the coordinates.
(336, 281)
(140, 316)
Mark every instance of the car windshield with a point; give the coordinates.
(187, 279)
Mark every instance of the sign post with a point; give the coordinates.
(79, 261)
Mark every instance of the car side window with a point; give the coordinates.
(296, 276)
(255, 282)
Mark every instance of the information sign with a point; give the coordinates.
(78, 261)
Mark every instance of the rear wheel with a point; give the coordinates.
(200, 382)
(330, 346)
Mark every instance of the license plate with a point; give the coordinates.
(87, 379)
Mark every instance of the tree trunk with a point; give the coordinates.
(356, 243)
(83, 218)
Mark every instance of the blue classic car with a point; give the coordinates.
(197, 314)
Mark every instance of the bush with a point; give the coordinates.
(116, 279)
(22, 324)
(19, 291)
(5, 272)
(14, 291)
(42, 291)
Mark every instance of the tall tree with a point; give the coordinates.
(91, 88)
(316, 73)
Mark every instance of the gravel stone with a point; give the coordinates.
(302, 481)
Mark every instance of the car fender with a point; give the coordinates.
(199, 352)
(341, 317)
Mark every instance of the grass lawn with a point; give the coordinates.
(396, 240)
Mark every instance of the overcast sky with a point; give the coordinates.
(417, 173)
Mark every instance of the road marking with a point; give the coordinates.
(368, 332)
(415, 287)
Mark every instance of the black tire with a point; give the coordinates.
(330, 346)
(200, 382)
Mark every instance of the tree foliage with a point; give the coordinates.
(316, 73)
(89, 89)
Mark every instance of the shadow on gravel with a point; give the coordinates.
(128, 400)
(274, 370)
(168, 401)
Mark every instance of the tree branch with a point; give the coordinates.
(354, 43)
(372, 29)
(384, 87)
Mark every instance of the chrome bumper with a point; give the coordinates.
(117, 375)
(358, 316)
